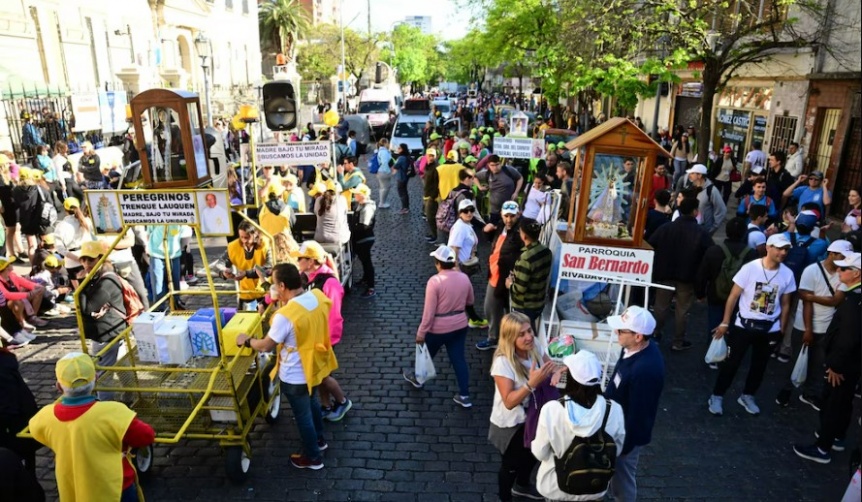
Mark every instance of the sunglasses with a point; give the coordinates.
(468, 210)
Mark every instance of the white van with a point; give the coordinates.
(375, 105)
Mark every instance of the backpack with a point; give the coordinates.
(447, 213)
(587, 465)
(729, 268)
(48, 216)
(797, 258)
(131, 300)
(411, 169)
(373, 164)
(319, 281)
(746, 203)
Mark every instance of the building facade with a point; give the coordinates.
(76, 51)
(322, 11)
(421, 22)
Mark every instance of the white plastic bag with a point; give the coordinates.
(800, 369)
(424, 370)
(717, 351)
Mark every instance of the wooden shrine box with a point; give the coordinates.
(169, 137)
(611, 203)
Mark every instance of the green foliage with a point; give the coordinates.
(415, 55)
(281, 24)
(320, 57)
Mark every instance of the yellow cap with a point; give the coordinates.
(290, 178)
(48, 239)
(92, 249)
(51, 261)
(431, 151)
(363, 189)
(311, 250)
(5, 262)
(317, 189)
(452, 155)
(75, 369)
(71, 202)
(275, 189)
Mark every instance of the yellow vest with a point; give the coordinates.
(273, 223)
(312, 339)
(236, 253)
(88, 449)
(347, 194)
(448, 176)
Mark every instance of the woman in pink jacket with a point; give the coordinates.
(444, 319)
(319, 269)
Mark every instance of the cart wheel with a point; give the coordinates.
(143, 460)
(237, 464)
(274, 409)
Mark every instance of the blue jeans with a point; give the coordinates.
(679, 167)
(306, 412)
(624, 487)
(454, 342)
(157, 276)
(130, 494)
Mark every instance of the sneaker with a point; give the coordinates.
(715, 405)
(810, 401)
(432, 240)
(322, 445)
(63, 309)
(384, 206)
(410, 377)
(487, 345)
(747, 402)
(783, 398)
(325, 412)
(54, 312)
(783, 358)
(18, 340)
(812, 453)
(27, 335)
(36, 321)
(679, 347)
(404, 211)
(529, 492)
(369, 293)
(23, 257)
(303, 462)
(190, 279)
(480, 324)
(28, 327)
(339, 411)
(837, 444)
(464, 401)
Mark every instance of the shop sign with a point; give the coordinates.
(580, 261)
(727, 117)
(760, 124)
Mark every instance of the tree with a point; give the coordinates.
(321, 56)
(282, 23)
(468, 58)
(417, 56)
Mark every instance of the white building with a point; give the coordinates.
(64, 48)
(421, 22)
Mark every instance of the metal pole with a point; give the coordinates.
(207, 92)
(655, 112)
(343, 66)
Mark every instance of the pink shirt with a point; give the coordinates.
(23, 286)
(333, 290)
(446, 296)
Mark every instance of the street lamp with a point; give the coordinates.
(204, 49)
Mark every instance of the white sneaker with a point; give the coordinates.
(747, 402)
(27, 326)
(63, 309)
(19, 340)
(54, 312)
(27, 335)
(715, 405)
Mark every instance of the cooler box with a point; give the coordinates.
(203, 333)
(243, 322)
(173, 342)
(144, 330)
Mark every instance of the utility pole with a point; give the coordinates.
(343, 66)
(369, 19)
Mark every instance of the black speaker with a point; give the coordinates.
(279, 106)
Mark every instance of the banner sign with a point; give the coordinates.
(513, 148)
(292, 154)
(579, 260)
(85, 107)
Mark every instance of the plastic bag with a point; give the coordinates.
(800, 369)
(717, 351)
(424, 370)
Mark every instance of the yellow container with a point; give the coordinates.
(243, 322)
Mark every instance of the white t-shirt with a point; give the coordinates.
(756, 158)
(756, 237)
(500, 416)
(762, 291)
(812, 280)
(282, 331)
(536, 207)
(464, 238)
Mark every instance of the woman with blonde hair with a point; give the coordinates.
(284, 245)
(519, 367)
(10, 210)
(30, 198)
(71, 233)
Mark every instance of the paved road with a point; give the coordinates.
(401, 444)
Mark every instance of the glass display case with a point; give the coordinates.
(613, 165)
(170, 138)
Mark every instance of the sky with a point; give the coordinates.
(447, 20)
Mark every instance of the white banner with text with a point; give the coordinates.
(580, 261)
(292, 154)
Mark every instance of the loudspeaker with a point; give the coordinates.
(279, 106)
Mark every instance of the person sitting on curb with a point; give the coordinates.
(16, 288)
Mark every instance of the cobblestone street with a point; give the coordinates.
(400, 444)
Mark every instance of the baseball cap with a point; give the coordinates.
(290, 178)
(816, 174)
(636, 319)
(431, 151)
(584, 367)
(311, 250)
(51, 261)
(5, 262)
(275, 189)
(727, 149)
(807, 219)
(561, 145)
(464, 204)
(452, 155)
(362, 188)
(509, 207)
(434, 136)
(71, 202)
(841, 246)
(74, 370)
(317, 189)
(778, 241)
(92, 249)
(697, 169)
(853, 260)
(48, 239)
(444, 254)
(470, 159)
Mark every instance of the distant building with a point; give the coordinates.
(322, 11)
(421, 22)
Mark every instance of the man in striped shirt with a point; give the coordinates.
(528, 284)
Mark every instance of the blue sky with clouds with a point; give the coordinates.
(448, 21)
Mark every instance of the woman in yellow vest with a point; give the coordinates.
(275, 215)
(241, 258)
(107, 429)
(300, 331)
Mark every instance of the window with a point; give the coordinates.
(783, 132)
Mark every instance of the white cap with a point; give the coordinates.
(636, 319)
(697, 169)
(778, 241)
(853, 260)
(509, 207)
(584, 367)
(444, 253)
(464, 204)
(841, 246)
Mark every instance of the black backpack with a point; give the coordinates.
(587, 465)
(797, 257)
